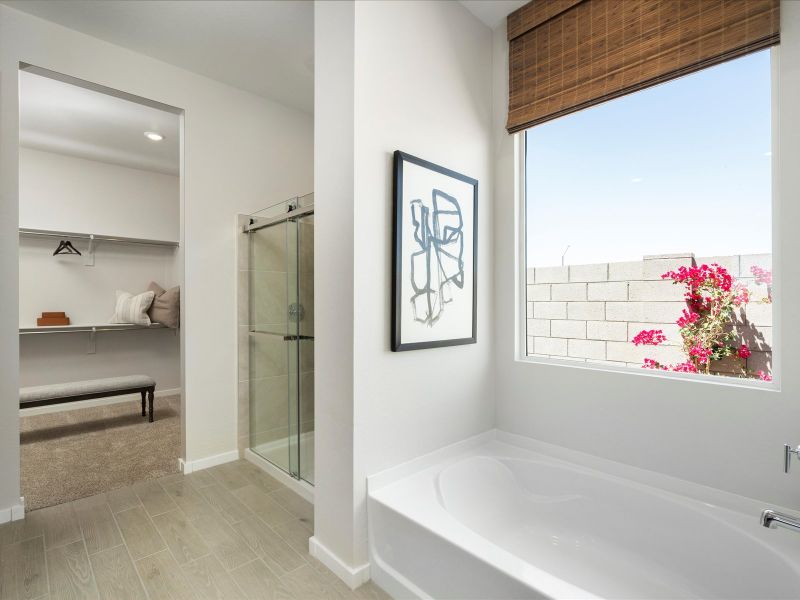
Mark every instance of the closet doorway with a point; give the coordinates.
(100, 273)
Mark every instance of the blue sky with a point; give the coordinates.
(681, 167)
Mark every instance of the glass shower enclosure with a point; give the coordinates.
(281, 335)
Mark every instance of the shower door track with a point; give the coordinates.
(256, 224)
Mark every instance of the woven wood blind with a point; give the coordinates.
(565, 55)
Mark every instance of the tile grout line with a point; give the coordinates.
(160, 487)
(171, 554)
(295, 518)
(128, 550)
(168, 549)
(233, 579)
(274, 495)
(89, 558)
(46, 565)
(226, 571)
(267, 524)
(225, 523)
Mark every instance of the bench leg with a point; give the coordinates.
(144, 395)
(150, 394)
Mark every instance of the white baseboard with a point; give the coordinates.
(353, 577)
(191, 466)
(13, 513)
(301, 488)
(53, 408)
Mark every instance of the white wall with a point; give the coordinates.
(240, 153)
(66, 193)
(724, 436)
(420, 83)
(56, 358)
(334, 209)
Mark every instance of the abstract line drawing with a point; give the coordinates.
(438, 264)
(434, 256)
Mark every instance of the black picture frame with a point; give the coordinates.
(398, 345)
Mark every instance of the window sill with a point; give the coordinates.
(754, 384)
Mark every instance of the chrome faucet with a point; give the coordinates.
(787, 456)
(773, 519)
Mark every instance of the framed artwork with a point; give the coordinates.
(435, 256)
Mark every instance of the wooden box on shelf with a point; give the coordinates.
(52, 319)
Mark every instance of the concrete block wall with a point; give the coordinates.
(590, 313)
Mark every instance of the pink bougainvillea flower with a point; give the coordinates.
(712, 275)
(649, 363)
(687, 319)
(762, 275)
(708, 324)
(700, 353)
(649, 337)
(742, 296)
(764, 376)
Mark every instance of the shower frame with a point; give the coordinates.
(294, 467)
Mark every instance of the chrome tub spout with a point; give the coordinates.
(773, 519)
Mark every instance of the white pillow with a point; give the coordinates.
(132, 309)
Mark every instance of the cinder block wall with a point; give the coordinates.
(590, 313)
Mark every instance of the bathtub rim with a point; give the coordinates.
(661, 481)
(435, 462)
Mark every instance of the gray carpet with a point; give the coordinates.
(78, 453)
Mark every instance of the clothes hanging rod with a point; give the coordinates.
(88, 328)
(96, 238)
(260, 223)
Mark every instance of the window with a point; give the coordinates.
(648, 227)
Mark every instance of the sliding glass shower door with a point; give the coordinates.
(281, 336)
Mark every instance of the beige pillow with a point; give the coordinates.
(132, 309)
(166, 307)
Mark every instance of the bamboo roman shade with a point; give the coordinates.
(565, 55)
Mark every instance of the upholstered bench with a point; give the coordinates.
(43, 395)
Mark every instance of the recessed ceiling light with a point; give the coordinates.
(153, 136)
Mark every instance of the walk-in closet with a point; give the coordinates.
(100, 274)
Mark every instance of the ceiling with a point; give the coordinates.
(67, 119)
(492, 12)
(264, 47)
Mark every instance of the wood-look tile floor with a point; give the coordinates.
(231, 532)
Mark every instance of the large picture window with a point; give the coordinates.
(649, 227)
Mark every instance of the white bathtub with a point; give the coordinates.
(488, 519)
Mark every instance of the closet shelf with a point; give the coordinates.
(88, 328)
(97, 238)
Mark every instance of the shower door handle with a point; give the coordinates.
(286, 338)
